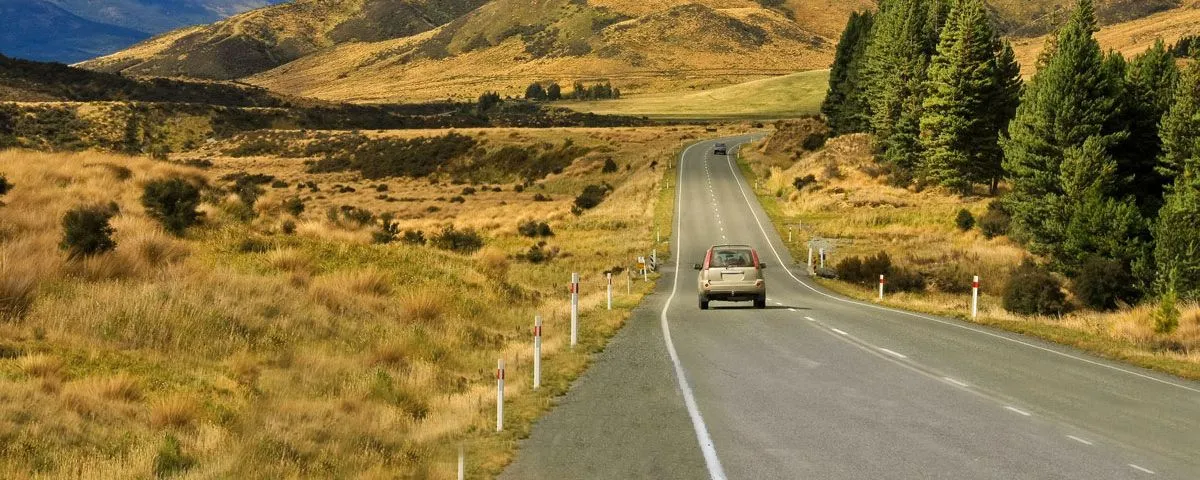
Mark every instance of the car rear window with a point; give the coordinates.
(732, 257)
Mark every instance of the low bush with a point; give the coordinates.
(468, 191)
(87, 232)
(995, 222)
(592, 196)
(279, 184)
(538, 254)
(388, 231)
(413, 237)
(288, 227)
(537, 197)
(1166, 315)
(965, 221)
(1101, 283)
(170, 459)
(866, 272)
(5, 187)
(458, 241)
(803, 182)
(357, 215)
(1033, 290)
(173, 203)
(534, 229)
(294, 206)
(609, 166)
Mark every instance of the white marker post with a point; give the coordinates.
(462, 463)
(810, 252)
(654, 258)
(609, 290)
(881, 282)
(789, 234)
(822, 258)
(574, 308)
(629, 283)
(500, 395)
(975, 297)
(537, 352)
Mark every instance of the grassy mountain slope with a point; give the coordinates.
(268, 37)
(496, 48)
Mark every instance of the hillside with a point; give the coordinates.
(409, 50)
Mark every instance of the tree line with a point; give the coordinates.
(1099, 152)
(553, 92)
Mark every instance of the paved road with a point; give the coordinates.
(821, 387)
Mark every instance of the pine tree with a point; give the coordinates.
(1101, 224)
(843, 107)
(1005, 96)
(1181, 125)
(1150, 83)
(1177, 236)
(1066, 103)
(897, 57)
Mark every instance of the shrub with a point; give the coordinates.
(1166, 316)
(86, 231)
(388, 230)
(866, 272)
(383, 187)
(458, 241)
(288, 227)
(537, 197)
(538, 254)
(173, 203)
(294, 206)
(591, 197)
(1102, 282)
(457, 199)
(534, 229)
(1033, 290)
(5, 187)
(609, 166)
(995, 221)
(965, 221)
(801, 183)
(360, 216)
(814, 141)
(953, 278)
(170, 459)
(413, 237)
(468, 191)
(279, 184)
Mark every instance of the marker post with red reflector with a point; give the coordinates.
(462, 463)
(810, 253)
(574, 308)
(881, 282)
(500, 395)
(537, 352)
(609, 276)
(975, 297)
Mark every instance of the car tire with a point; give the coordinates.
(760, 302)
(703, 303)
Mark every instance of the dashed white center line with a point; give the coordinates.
(810, 319)
(1080, 440)
(892, 353)
(793, 310)
(839, 332)
(1141, 469)
(1017, 411)
(956, 382)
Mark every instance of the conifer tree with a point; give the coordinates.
(1068, 102)
(843, 107)
(1177, 235)
(1150, 82)
(1005, 96)
(1181, 125)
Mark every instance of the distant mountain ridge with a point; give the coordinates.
(70, 31)
(419, 50)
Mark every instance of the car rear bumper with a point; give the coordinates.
(734, 294)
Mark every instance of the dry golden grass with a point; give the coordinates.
(855, 211)
(273, 355)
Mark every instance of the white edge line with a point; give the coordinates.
(1017, 411)
(715, 471)
(1141, 469)
(1080, 440)
(778, 257)
(839, 332)
(892, 353)
(956, 382)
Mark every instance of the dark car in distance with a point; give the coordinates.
(720, 149)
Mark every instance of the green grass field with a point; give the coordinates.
(786, 96)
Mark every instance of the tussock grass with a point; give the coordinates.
(857, 213)
(318, 354)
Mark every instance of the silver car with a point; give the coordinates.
(731, 273)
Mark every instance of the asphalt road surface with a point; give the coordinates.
(821, 387)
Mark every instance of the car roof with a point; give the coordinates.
(714, 247)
